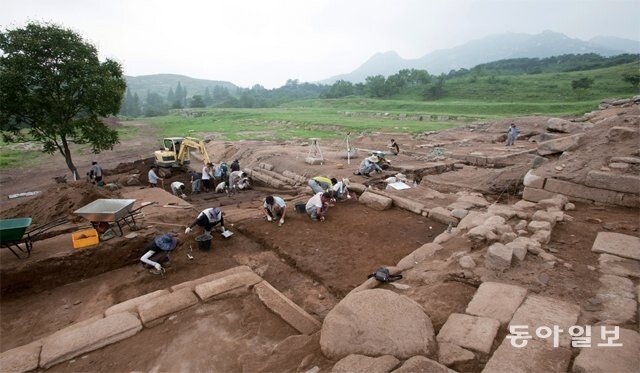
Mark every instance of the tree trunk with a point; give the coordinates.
(67, 158)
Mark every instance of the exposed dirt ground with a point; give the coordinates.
(315, 264)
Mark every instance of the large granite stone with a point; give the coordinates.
(474, 333)
(497, 301)
(618, 244)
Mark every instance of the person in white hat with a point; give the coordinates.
(368, 165)
(341, 190)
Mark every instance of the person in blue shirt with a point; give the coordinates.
(512, 134)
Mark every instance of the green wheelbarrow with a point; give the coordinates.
(15, 234)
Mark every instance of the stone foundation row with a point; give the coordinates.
(126, 319)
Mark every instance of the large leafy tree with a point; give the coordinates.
(54, 89)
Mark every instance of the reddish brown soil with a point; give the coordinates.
(348, 246)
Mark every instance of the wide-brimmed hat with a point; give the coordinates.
(346, 182)
(373, 159)
(166, 242)
(401, 177)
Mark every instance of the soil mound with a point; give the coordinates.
(59, 201)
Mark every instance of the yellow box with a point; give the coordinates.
(85, 238)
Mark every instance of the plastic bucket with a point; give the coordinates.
(300, 207)
(204, 242)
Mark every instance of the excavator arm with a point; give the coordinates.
(192, 143)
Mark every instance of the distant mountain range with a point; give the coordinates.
(488, 49)
(161, 83)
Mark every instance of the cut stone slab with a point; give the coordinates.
(442, 215)
(474, 333)
(459, 213)
(532, 180)
(559, 145)
(619, 359)
(159, 307)
(131, 305)
(314, 161)
(375, 201)
(615, 265)
(617, 244)
(286, 309)
(421, 364)
(536, 357)
(214, 276)
(226, 284)
(535, 194)
(398, 327)
(450, 354)
(366, 364)
(616, 285)
(21, 359)
(625, 183)
(65, 345)
(497, 301)
(498, 257)
(538, 311)
(616, 309)
(474, 200)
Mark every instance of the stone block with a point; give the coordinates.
(534, 357)
(214, 276)
(375, 201)
(314, 161)
(542, 215)
(466, 262)
(497, 301)
(538, 311)
(21, 359)
(459, 213)
(472, 220)
(450, 354)
(620, 359)
(282, 306)
(157, 308)
(615, 265)
(365, 364)
(535, 226)
(535, 194)
(474, 333)
(532, 180)
(560, 145)
(422, 364)
(498, 257)
(65, 345)
(619, 244)
(131, 305)
(216, 288)
(419, 255)
(580, 191)
(543, 237)
(442, 215)
(476, 201)
(616, 134)
(625, 183)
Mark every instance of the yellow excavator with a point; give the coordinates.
(175, 152)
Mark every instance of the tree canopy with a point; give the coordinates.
(54, 89)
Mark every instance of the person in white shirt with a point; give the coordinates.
(153, 178)
(274, 207)
(207, 176)
(177, 188)
(208, 219)
(157, 252)
(318, 205)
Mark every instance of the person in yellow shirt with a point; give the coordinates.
(321, 184)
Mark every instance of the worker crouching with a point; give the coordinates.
(274, 208)
(208, 219)
(318, 205)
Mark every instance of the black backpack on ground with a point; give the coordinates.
(382, 274)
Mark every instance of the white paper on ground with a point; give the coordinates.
(399, 185)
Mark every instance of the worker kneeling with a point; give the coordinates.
(157, 253)
(208, 219)
(318, 205)
(177, 188)
(368, 165)
(274, 208)
(321, 184)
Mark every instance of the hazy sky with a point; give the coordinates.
(269, 41)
